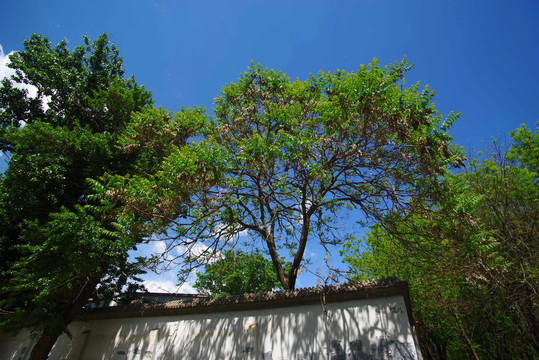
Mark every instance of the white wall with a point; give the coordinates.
(352, 330)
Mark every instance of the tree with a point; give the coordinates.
(280, 159)
(237, 272)
(472, 264)
(60, 247)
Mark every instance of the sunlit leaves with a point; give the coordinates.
(339, 140)
(473, 259)
(236, 273)
(279, 159)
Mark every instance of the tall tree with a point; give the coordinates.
(59, 248)
(281, 158)
(472, 264)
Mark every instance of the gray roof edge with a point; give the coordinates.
(334, 293)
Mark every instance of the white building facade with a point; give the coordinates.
(364, 321)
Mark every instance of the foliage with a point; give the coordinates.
(237, 272)
(472, 264)
(59, 247)
(280, 158)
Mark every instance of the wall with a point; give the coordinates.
(352, 330)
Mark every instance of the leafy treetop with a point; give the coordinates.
(280, 158)
(58, 248)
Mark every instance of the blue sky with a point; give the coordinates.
(482, 57)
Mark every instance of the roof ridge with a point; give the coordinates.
(349, 290)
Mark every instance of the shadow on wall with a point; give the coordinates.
(16, 347)
(384, 349)
(337, 332)
(375, 341)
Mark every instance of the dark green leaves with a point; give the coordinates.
(60, 248)
(84, 87)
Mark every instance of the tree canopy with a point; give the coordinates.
(94, 169)
(471, 263)
(280, 158)
(59, 248)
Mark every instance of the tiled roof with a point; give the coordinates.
(341, 292)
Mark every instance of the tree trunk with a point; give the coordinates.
(293, 273)
(44, 345)
(276, 261)
(49, 336)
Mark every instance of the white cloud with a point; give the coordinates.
(4, 60)
(159, 247)
(244, 234)
(187, 288)
(5, 71)
(160, 286)
(196, 249)
(164, 277)
(164, 280)
(168, 286)
(200, 252)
